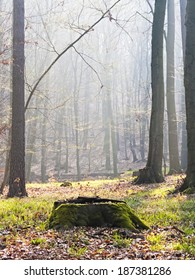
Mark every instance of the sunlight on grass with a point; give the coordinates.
(155, 207)
(157, 242)
(90, 183)
(26, 212)
(152, 204)
(121, 242)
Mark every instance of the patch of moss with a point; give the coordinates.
(95, 215)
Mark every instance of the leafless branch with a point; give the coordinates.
(65, 50)
(151, 8)
(144, 17)
(46, 31)
(82, 57)
(123, 29)
(81, 11)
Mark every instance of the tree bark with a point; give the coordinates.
(174, 165)
(183, 4)
(17, 152)
(189, 81)
(153, 170)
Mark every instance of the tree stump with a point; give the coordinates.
(94, 212)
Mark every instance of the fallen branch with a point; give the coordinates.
(179, 230)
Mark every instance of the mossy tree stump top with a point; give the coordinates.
(94, 212)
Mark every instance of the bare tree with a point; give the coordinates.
(174, 165)
(189, 79)
(153, 170)
(183, 4)
(17, 153)
(90, 28)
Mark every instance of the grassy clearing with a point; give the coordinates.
(157, 208)
(34, 210)
(152, 204)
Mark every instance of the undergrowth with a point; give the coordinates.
(18, 213)
(153, 205)
(157, 208)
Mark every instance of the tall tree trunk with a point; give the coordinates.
(31, 146)
(67, 147)
(7, 161)
(124, 121)
(17, 152)
(43, 144)
(113, 140)
(153, 170)
(106, 132)
(110, 135)
(183, 4)
(174, 165)
(30, 142)
(32, 123)
(59, 135)
(189, 81)
(86, 115)
(132, 143)
(142, 136)
(76, 115)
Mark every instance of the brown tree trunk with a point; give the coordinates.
(174, 165)
(17, 152)
(183, 4)
(189, 81)
(153, 170)
(43, 144)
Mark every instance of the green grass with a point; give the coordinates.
(157, 242)
(76, 251)
(34, 212)
(38, 241)
(121, 242)
(164, 210)
(153, 205)
(23, 213)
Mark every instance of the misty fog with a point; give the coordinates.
(91, 112)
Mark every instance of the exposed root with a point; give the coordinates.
(148, 176)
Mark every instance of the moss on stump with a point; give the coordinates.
(94, 213)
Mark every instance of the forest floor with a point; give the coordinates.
(171, 218)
